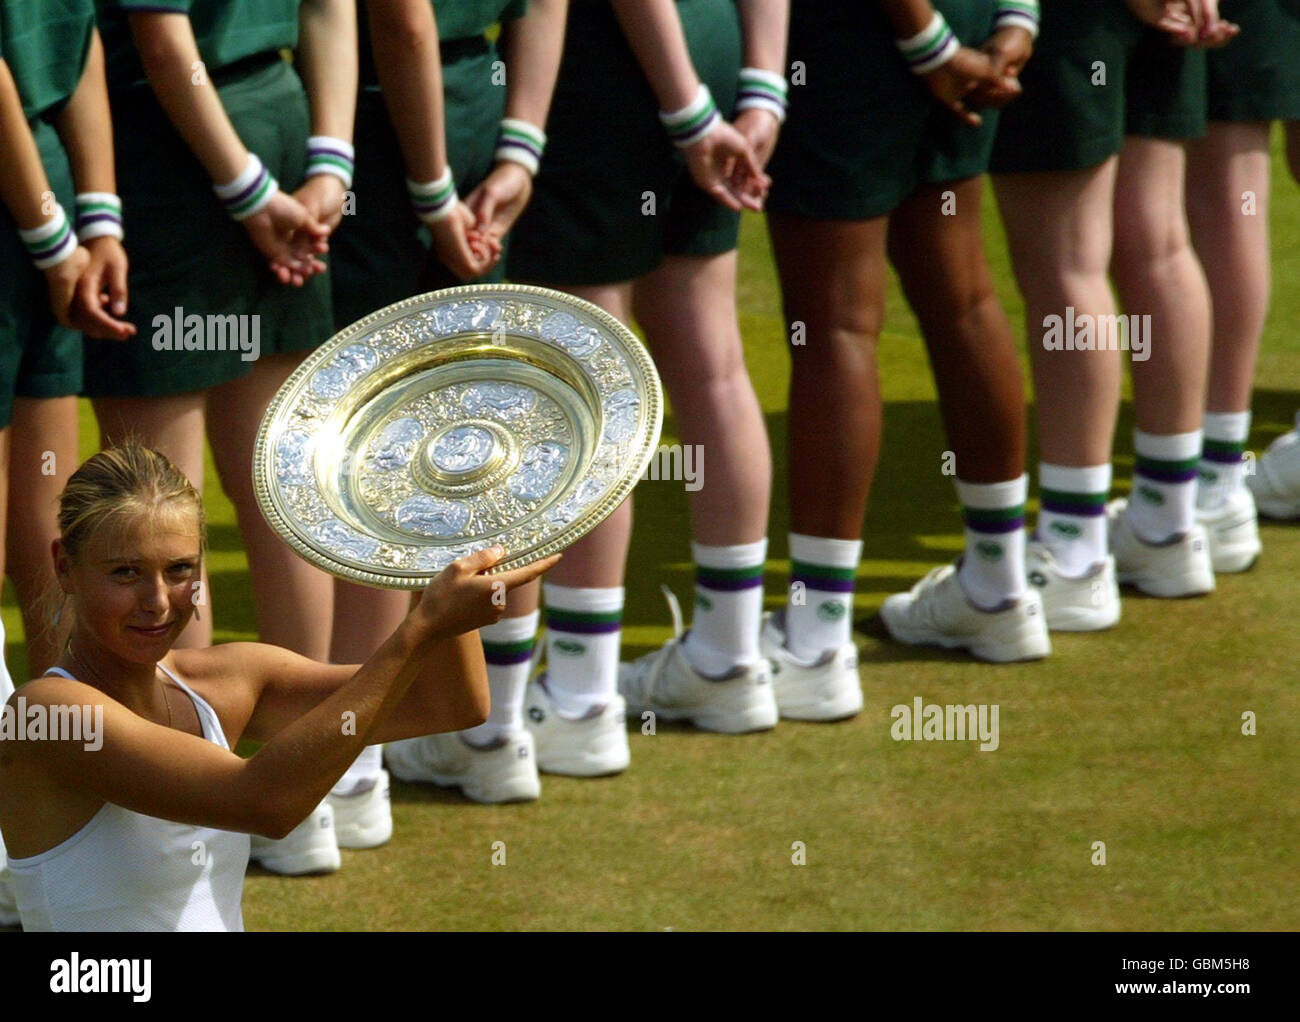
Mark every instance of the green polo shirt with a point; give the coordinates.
(45, 45)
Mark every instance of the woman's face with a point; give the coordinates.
(134, 587)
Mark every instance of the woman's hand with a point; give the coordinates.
(100, 299)
(1009, 49)
(461, 247)
(723, 165)
(499, 199)
(321, 196)
(760, 129)
(62, 281)
(971, 74)
(290, 238)
(462, 599)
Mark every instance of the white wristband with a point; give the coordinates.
(326, 155)
(930, 48)
(249, 192)
(52, 242)
(99, 215)
(433, 200)
(692, 122)
(522, 143)
(762, 90)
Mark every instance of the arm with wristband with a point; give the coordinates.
(719, 158)
(25, 190)
(1015, 27)
(327, 61)
(532, 46)
(404, 37)
(950, 71)
(85, 128)
(761, 98)
(278, 225)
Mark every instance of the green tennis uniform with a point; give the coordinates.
(44, 43)
(863, 132)
(1096, 76)
(1256, 77)
(613, 196)
(381, 255)
(186, 252)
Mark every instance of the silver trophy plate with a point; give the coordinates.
(454, 421)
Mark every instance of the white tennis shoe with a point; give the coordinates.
(311, 847)
(666, 684)
(1088, 603)
(824, 690)
(1178, 567)
(505, 771)
(1232, 530)
(1276, 482)
(364, 819)
(594, 745)
(937, 612)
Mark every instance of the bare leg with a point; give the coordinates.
(688, 310)
(1156, 272)
(1232, 243)
(833, 287)
(293, 600)
(46, 441)
(1059, 232)
(972, 349)
(173, 425)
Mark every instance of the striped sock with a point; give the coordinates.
(583, 628)
(508, 650)
(728, 606)
(1163, 502)
(993, 569)
(819, 615)
(1072, 515)
(1221, 472)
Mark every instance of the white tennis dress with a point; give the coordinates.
(128, 871)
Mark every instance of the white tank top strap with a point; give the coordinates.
(208, 718)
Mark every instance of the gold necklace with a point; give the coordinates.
(95, 674)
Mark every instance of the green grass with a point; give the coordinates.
(1131, 737)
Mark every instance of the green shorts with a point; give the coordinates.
(1096, 76)
(613, 197)
(38, 357)
(381, 255)
(187, 253)
(863, 132)
(1256, 77)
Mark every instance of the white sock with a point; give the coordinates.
(363, 774)
(819, 614)
(728, 606)
(508, 650)
(1072, 514)
(1163, 502)
(583, 628)
(1221, 472)
(993, 570)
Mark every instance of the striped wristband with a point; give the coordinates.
(522, 143)
(434, 200)
(762, 90)
(692, 122)
(250, 192)
(99, 215)
(326, 155)
(930, 48)
(52, 242)
(1018, 14)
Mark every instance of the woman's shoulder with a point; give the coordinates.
(227, 676)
